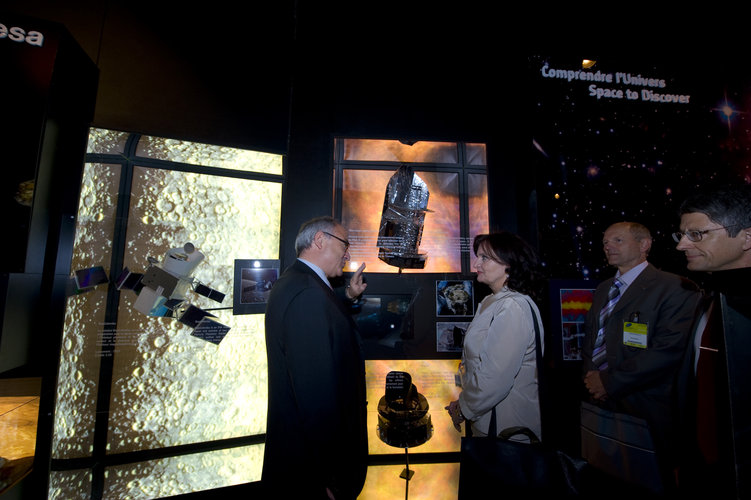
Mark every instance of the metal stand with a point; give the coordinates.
(406, 474)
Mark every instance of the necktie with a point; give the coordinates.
(706, 383)
(599, 356)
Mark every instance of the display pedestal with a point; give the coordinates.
(406, 473)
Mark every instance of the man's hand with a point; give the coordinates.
(593, 382)
(357, 284)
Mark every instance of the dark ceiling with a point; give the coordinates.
(236, 74)
(239, 74)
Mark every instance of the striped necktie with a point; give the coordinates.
(599, 355)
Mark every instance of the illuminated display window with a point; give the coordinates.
(209, 156)
(439, 192)
(147, 409)
(379, 150)
(431, 481)
(70, 484)
(452, 178)
(434, 379)
(80, 359)
(441, 239)
(476, 154)
(147, 406)
(167, 477)
(477, 200)
(105, 141)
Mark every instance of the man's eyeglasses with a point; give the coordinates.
(346, 243)
(696, 235)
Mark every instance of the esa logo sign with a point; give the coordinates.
(20, 35)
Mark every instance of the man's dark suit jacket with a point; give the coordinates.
(641, 382)
(729, 331)
(316, 434)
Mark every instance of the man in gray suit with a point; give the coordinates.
(316, 438)
(632, 356)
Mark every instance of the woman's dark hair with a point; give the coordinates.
(523, 264)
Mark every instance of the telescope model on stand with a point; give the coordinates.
(403, 418)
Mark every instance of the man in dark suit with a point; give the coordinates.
(316, 437)
(715, 236)
(632, 367)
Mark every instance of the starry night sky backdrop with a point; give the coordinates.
(602, 161)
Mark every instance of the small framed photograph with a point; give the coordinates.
(253, 281)
(570, 301)
(454, 298)
(449, 336)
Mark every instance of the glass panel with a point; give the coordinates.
(194, 153)
(70, 485)
(106, 141)
(170, 387)
(476, 154)
(172, 476)
(363, 194)
(434, 379)
(477, 191)
(430, 482)
(388, 150)
(79, 357)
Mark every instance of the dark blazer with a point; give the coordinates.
(727, 330)
(316, 433)
(641, 382)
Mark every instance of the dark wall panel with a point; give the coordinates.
(217, 74)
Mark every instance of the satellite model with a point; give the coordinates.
(162, 289)
(403, 220)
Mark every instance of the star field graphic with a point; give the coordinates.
(603, 160)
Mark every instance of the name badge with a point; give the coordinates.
(635, 334)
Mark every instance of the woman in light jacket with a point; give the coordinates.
(499, 365)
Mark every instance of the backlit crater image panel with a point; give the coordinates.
(170, 387)
(85, 315)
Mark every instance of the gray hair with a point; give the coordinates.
(309, 229)
(728, 206)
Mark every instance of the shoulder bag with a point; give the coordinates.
(497, 464)
(620, 445)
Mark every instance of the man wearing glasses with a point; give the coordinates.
(316, 437)
(715, 236)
